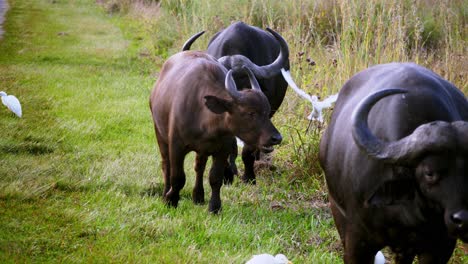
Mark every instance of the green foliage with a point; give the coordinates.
(80, 179)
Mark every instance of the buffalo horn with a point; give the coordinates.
(253, 81)
(190, 41)
(231, 85)
(236, 62)
(433, 136)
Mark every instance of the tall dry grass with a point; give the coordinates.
(342, 37)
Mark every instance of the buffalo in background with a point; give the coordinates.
(395, 156)
(267, 55)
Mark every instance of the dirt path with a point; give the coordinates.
(3, 9)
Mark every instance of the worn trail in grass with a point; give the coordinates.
(79, 169)
(85, 125)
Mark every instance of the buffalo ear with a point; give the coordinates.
(393, 192)
(217, 105)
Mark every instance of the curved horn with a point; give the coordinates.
(231, 85)
(190, 41)
(360, 129)
(434, 136)
(253, 81)
(236, 62)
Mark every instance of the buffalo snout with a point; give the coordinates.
(458, 224)
(275, 139)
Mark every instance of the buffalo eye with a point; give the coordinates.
(431, 176)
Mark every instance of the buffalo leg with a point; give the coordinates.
(248, 157)
(216, 180)
(198, 194)
(233, 157)
(356, 250)
(339, 218)
(166, 167)
(177, 177)
(165, 164)
(231, 169)
(440, 252)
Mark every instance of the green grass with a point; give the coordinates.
(80, 171)
(80, 179)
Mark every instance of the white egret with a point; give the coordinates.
(269, 259)
(240, 143)
(379, 258)
(317, 106)
(12, 103)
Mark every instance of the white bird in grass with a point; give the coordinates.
(240, 143)
(12, 103)
(317, 106)
(269, 259)
(379, 258)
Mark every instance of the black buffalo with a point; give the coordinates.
(266, 55)
(395, 156)
(196, 106)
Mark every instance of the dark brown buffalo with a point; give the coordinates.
(266, 54)
(395, 156)
(196, 106)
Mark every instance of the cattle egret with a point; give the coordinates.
(317, 106)
(240, 143)
(379, 258)
(269, 259)
(12, 103)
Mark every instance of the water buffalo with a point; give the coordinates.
(196, 106)
(265, 54)
(395, 156)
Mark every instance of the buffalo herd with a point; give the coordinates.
(394, 152)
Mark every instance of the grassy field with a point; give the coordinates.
(80, 176)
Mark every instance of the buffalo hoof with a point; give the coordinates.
(234, 169)
(165, 191)
(249, 180)
(215, 207)
(198, 198)
(172, 199)
(228, 176)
